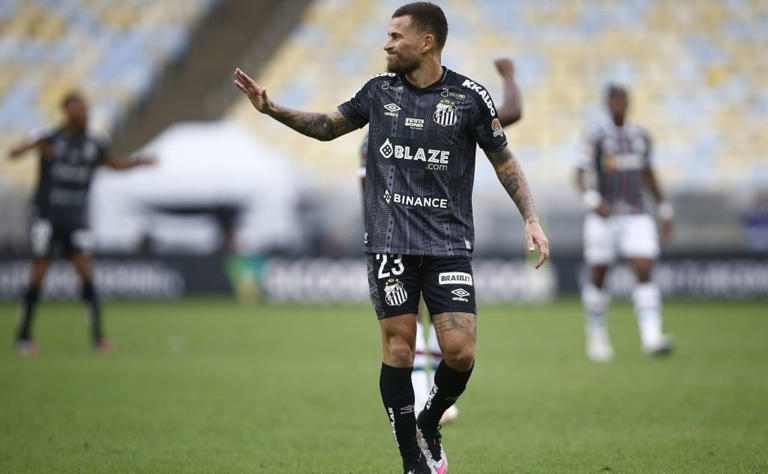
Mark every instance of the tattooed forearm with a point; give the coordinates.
(462, 322)
(323, 127)
(512, 178)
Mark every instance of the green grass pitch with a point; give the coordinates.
(208, 386)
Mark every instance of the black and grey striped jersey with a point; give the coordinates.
(619, 158)
(67, 163)
(421, 161)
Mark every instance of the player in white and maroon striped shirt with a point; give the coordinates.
(619, 155)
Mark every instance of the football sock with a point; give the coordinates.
(94, 311)
(449, 384)
(647, 300)
(419, 377)
(595, 301)
(397, 395)
(27, 312)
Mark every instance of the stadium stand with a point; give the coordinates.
(111, 50)
(695, 69)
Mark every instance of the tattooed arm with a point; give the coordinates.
(512, 178)
(323, 127)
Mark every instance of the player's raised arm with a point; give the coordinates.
(511, 176)
(321, 126)
(122, 163)
(19, 150)
(511, 109)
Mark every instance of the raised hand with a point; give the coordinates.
(534, 237)
(257, 95)
(505, 66)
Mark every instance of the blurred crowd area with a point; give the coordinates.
(696, 70)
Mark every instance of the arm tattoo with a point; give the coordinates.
(462, 322)
(512, 178)
(323, 127)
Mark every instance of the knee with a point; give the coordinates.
(461, 357)
(398, 352)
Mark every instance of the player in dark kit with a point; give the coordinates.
(427, 349)
(425, 122)
(68, 157)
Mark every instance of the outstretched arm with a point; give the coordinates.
(119, 163)
(511, 109)
(511, 176)
(323, 127)
(22, 148)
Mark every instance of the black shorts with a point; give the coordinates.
(49, 238)
(397, 281)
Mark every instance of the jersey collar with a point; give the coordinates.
(435, 84)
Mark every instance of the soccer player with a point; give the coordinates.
(427, 350)
(68, 157)
(619, 154)
(425, 122)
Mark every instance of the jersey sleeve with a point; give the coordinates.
(648, 154)
(486, 127)
(585, 150)
(357, 109)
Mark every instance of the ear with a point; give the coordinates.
(428, 43)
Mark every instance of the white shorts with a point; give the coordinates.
(627, 235)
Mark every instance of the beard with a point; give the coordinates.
(399, 65)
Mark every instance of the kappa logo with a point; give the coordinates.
(392, 110)
(394, 292)
(455, 278)
(445, 113)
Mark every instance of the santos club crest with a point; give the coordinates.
(445, 113)
(394, 292)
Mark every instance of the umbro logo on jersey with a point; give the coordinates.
(392, 109)
(445, 113)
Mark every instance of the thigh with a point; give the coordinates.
(639, 237)
(599, 240)
(393, 283)
(448, 285)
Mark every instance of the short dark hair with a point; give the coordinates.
(428, 18)
(614, 88)
(72, 96)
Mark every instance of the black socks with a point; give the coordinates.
(94, 311)
(28, 303)
(449, 384)
(397, 395)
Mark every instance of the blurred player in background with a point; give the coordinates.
(619, 155)
(68, 157)
(428, 355)
(425, 122)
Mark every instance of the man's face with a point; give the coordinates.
(404, 46)
(618, 103)
(76, 112)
